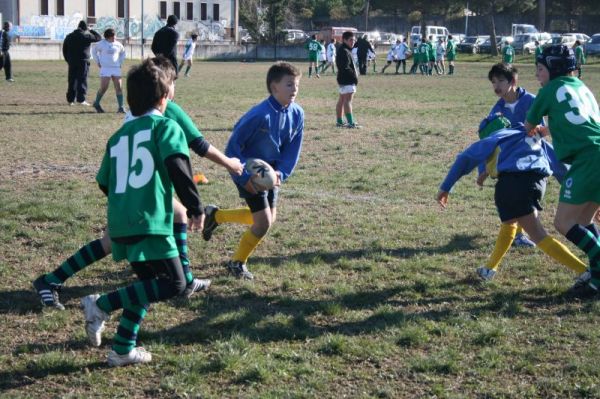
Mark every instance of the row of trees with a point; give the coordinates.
(264, 19)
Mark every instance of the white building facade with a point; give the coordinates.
(212, 20)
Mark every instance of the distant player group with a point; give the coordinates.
(147, 161)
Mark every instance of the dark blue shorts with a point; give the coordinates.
(261, 200)
(519, 194)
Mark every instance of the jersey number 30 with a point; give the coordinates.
(582, 100)
(125, 163)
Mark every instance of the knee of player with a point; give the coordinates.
(178, 285)
(261, 229)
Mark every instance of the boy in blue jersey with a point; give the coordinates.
(513, 105)
(272, 131)
(523, 165)
(145, 162)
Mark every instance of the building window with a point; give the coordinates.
(163, 9)
(177, 9)
(91, 11)
(43, 7)
(60, 7)
(215, 12)
(190, 11)
(203, 12)
(120, 8)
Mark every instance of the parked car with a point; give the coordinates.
(582, 37)
(458, 37)
(294, 36)
(471, 44)
(388, 38)
(567, 40)
(593, 46)
(525, 43)
(486, 46)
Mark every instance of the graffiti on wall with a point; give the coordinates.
(57, 27)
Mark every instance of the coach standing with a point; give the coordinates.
(5, 40)
(76, 50)
(363, 46)
(165, 40)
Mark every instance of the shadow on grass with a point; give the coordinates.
(33, 373)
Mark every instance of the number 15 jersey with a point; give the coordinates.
(573, 117)
(140, 192)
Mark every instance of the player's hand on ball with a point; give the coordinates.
(250, 187)
(197, 223)
(481, 178)
(235, 167)
(442, 198)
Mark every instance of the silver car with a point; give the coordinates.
(593, 46)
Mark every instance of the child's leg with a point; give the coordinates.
(263, 220)
(117, 83)
(237, 215)
(553, 248)
(104, 82)
(339, 110)
(348, 107)
(189, 66)
(571, 221)
(180, 233)
(85, 256)
(506, 235)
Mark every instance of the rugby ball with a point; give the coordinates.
(263, 176)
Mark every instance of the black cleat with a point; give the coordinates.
(48, 293)
(239, 270)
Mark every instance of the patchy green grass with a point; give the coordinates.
(364, 288)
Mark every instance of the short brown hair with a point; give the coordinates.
(280, 69)
(146, 86)
(165, 65)
(110, 32)
(502, 70)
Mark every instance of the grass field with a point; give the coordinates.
(364, 288)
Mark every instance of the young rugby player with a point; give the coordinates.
(523, 165)
(109, 54)
(451, 54)
(188, 54)
(140, 211)
(574, 124)
(272, 131)
(347, 79)
(314, 49)
(48, 285)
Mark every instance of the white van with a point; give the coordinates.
(435, 31)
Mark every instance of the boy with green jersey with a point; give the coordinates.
(574, 124)
(451, 54)
(431, 56)
(314, 49)
(538, 50)
(424, 57)
(579, 57)
(48, 285)
(146, 161)
(508, 53)
(416, 59)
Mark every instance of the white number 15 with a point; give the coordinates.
(120, 151)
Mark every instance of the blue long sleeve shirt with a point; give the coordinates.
(269, 132)
(517, 115)
(516, 153)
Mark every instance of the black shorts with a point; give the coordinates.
(519, 194)
(261, 200)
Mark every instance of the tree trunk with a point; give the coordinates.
(367, 3)
(493, 47)
(542, 15)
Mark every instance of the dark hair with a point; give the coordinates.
(347, 35)
(450, 37)
(314, 37)
(110, 32)
(146, 86)
(333, 40)
(165, 65)
(501, 70)
(82, 25)
(280, 69)
(577, 42)
(172, 20)
(194, 36)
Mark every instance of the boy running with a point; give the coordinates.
(331, 52)
(188, 54)
(347, 79)
(272, 131)
(574, 124)
(48, 285)
(109, 54)
(523, 165)
(146, 160)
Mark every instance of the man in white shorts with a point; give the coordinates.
(109, 54)
(188, 54)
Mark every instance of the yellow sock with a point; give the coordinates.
(247, 245)
(506, 235)
(238, 215)
(519, 230)
(556, 250)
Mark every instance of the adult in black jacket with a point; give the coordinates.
(76, 50)
(347, 80)
(5, 40)
(165, 41)
(363, 46)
